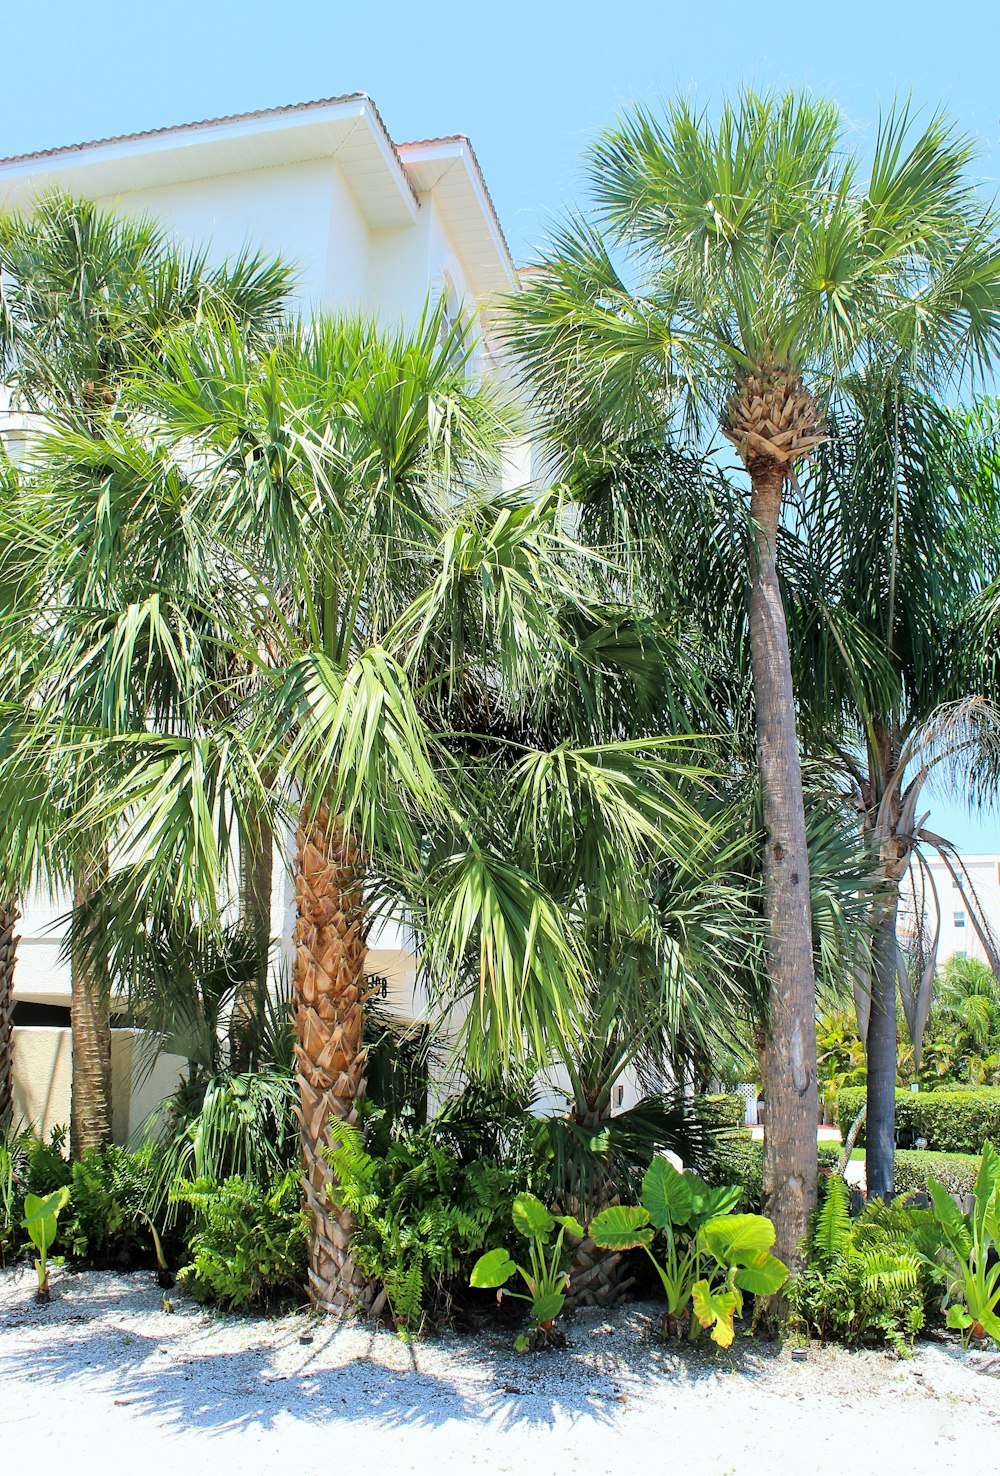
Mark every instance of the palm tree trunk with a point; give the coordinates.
(8, 957)
(881, 1049)
(792, 1106)
(256, 875)
(328, 1018)
(90, 1018)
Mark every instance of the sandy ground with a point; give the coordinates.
(103, 1379)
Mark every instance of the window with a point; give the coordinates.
(960, 919)
(960, 953)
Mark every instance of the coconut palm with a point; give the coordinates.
(734, 269)
(86, 297)
(896, 524)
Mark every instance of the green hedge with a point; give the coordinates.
(951, 1121)
(740, 1161)
(727, 1110)
(956, 1171)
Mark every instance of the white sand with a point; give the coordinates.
(103, 1380)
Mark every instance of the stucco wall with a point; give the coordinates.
(305, 213)
(42, 1074)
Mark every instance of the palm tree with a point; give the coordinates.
(896, 527)
(87, 296)
(743, 268)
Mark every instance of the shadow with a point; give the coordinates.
(197, 1371)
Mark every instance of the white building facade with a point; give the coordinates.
(947, 905)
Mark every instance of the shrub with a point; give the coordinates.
(728, 1110)
(248, 1244)
(951, 1121)
(107, 1223)
(862, 1282)
(422, 1215)
(738, 1160)
(956, 1171)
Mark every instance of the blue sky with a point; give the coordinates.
(529, 83)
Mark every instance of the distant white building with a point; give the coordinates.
(951, 905)
(370, 224)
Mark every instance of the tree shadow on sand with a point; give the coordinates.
(179, 1376)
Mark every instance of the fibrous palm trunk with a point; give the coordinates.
(328, 1018)
(792, 1106)
(256, 875)
(8, 957)
(597, 1277)
(90, 1019)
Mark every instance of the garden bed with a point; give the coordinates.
(104, 1367)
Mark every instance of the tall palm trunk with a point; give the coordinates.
(8, 957)
(90, 1018)
(256, 875)
(881, 1043)
(328, 1018)
(792, 1106)
(881, 1050)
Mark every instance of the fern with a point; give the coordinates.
(871, 1279)
(832, 1234)
(422, 1213)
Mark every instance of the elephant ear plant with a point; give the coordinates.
(708, 1256)
(545, 1276)
(974, 1242)
(41, 1214)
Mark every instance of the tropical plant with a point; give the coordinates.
(422, 1211)
(858, 1286)
(545, 1276)
(894, 525)
(765, 269)
(973, 1299)
(348, 563)
(88, 295)
(710, 1255)
(248, 1243)
(41, 1217)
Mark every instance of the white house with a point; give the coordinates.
(370, 224)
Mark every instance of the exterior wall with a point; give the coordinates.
(304, 213)
(42, 1073)
(958, 936)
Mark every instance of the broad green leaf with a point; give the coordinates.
(720, 1201)
(987, 1191)
(716, 1309)
(523, 1343)
(547, 1306)
(41, 1213)
(493, 1268)
(572, 1224)
(737, 1240)
(666, 1194)
(763, 1276)
(531, 1217)
(621, 1227)
(957, 1317)
(951, 1219)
